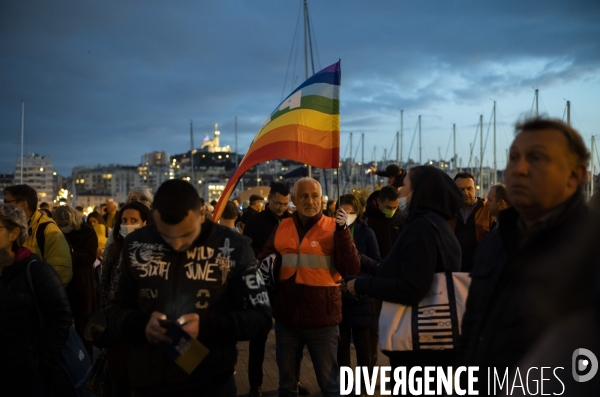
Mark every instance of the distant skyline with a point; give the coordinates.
(106, 82)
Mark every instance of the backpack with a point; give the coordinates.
(73, 366)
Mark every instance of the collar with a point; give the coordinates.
(310, 222)
(545, 221)
(471, 206)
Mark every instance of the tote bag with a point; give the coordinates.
(435, 322)
(73, 365)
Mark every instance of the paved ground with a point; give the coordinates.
(270, 373)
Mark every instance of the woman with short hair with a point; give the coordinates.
(142, 194)
(28, 352)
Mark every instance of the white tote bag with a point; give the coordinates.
(434, 324)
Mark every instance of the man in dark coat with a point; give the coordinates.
(259, 228)
(544, 177)
(385, 219)
(256, 205)
(473, 220)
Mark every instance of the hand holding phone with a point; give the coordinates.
(155, 332)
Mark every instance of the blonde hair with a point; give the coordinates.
(71, 215)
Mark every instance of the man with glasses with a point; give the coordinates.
(45, 238)
(259, 228)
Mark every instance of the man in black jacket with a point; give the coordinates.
(259, 227)
(544, 177)
(256, 205)
(202, 276)
(473, 220)
(385, 219)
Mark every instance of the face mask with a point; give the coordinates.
(389, 213)
(66, 229)
(128, 229)
(350, 219)
(403, 203)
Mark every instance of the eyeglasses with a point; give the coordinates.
(280, 204)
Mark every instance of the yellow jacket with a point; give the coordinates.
(56, 249)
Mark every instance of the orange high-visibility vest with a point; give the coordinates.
(312, 258)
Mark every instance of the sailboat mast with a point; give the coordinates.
(362, 140)
(194, 181)
(569, 112)
(401, 134)
(305, 41)
(495, 164)
(351, 161)
(536, 102)
(420, 147)
(454, 139)
(306, 59)
(236, 154)
(592, 167)
(22, 135)
(481, 150)
(397, 146)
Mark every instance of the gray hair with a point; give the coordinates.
(13, 217)
(307, 179)
(146, 193)
(71, 215)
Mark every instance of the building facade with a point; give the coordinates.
(38, 173)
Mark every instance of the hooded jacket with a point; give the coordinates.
(56, 249)
(406, 273)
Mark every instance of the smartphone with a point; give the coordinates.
(165, 323)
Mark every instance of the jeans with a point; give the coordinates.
(322, 345)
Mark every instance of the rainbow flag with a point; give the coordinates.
(305, 127)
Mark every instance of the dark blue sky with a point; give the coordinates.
(105, 82)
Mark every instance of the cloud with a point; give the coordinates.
(105, 82)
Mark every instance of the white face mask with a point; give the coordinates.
(128, 229)
(403, 203)
(350, 219)
(66, 229)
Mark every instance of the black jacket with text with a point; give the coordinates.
(216, 277)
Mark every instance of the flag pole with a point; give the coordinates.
(338, 186)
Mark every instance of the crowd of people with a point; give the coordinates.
(131, 279)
